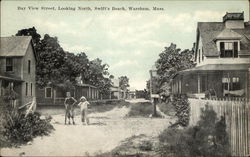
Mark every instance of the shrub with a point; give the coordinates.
(182, 108)
(143, 109)
(207, 138)
(146, 146)
(18, 129)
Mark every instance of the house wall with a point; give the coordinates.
(29, 78)
(234, 24)
(199, 59)
(217, 60)
(41, 99)
(17, 67)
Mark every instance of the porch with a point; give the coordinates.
(220, 82)
(10, 88)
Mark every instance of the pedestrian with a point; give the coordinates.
(69, 107)
(84, 110)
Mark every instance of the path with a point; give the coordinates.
(105, 132)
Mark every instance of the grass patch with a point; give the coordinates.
(134, 146)
(141, 109)
(167, 108)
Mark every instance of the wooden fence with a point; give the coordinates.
(237, 116)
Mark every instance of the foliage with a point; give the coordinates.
(51, 60)
(142, 94)
(18, 129)
(58, 67)
(170, 61)
(182, 109)
(146, 145)
(30, 32)
(141, 109)
(124, 82)
(167, 108)
(208, 138)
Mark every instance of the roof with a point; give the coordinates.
(11, 78)
(218, 67)
(85, 85)
(228, 34)
(209, 31)
(15, 46)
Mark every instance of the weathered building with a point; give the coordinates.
(18, 68)
(222, 56)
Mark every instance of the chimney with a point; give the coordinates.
(234, 20)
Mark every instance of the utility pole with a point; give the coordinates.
(151, 93)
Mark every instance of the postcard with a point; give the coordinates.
(125, 78)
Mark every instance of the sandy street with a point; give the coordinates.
(105, 132)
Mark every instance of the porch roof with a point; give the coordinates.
(11, 78)
(85, 85)
(218, 67)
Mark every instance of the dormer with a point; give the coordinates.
(228, 43)
(234, 20)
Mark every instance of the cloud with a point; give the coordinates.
(124, 63)
(187, 22)
(137, 84)
(75, 48)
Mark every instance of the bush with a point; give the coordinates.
(18, 129)
(207, 138)
(167, 108)
(143, 109)
(182, 108)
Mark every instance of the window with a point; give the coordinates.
(231, 84)
(26, 89)
(31, 90)
(203, 83)
(229, 49)
(29, 62)
(199, 55)
(202, 54)
(48, 92)
(9, 64)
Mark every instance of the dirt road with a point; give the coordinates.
(105, 132)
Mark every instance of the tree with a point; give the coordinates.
(98, 75)
(60, 68)
(171, 60)
(30, 32)
(123, 82)
(50, 67)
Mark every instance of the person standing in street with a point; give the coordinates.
(84, 110)
(69, 107)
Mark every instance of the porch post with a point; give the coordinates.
(199, 83)
(0, 87)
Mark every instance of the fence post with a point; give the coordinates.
(248, 110)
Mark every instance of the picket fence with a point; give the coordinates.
(237, 116)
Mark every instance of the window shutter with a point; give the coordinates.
(235, 49)
(222, 49)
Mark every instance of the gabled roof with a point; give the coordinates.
(228, 34)
(209, 31)
(15, 46)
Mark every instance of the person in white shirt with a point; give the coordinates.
(84, 110)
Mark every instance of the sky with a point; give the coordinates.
(128, 41)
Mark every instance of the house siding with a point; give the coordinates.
(29, 78)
